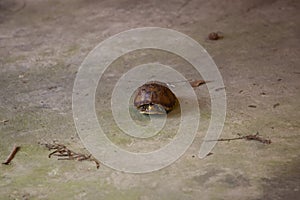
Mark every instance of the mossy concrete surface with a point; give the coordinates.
(43, 43)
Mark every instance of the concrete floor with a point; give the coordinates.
(43, 43)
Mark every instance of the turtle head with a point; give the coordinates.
(152, 109)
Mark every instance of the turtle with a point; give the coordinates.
(154, 97)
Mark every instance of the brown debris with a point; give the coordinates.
(248, 137)
(257, 138)
(12, 155)
(52, 87)
(275, 105)
(215, 36)
(209, 154)
(64, 153)
(197, 83)
(252, 106)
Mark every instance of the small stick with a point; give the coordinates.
(257, 138)
(247, 137)
(4, 121)
(63, 153)
(252, 106)
(229, 139)
(12, 155)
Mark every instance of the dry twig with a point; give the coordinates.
(12, 155)
(247, 137)
(64, 153)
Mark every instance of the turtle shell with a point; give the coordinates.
(155, 92)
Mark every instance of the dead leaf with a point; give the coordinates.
(197, 83)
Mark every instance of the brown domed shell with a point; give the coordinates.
(155, 92)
